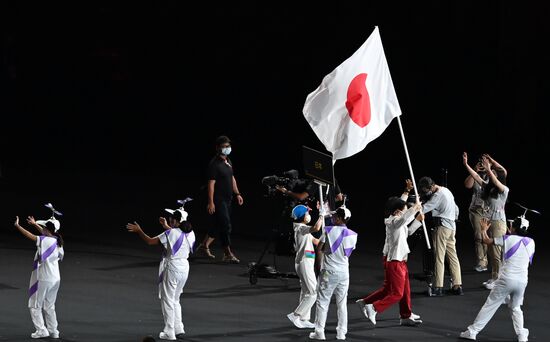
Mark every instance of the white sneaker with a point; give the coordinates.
(489, 284)
(468, 335)
(362, 305)
(165, 336)
(317, 336)
(296, 320)
(307, 324)
(371, 313)
(54, 334)
(480, 268)
(414, 316)
(40, 334)
(410, 322)
(523, 337)
(340, 335)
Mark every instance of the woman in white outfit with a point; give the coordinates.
(305, 265)
(178, 240)
(45, 277)
(510, 285)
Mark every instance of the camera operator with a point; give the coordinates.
(286, 192)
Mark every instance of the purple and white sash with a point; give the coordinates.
(341, 235)
(45, 252)
(514, 242)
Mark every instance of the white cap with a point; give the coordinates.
(52, 219)
(347, 212)
(183, 213)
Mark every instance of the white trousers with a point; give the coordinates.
(503, 287)
(337, 283)
(308, 283)
(172, 286)
(43, 311)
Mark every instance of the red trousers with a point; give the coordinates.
(396, 288)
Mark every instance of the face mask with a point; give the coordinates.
(226, 151)
(307, 219)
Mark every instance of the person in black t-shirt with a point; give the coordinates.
(222, 186)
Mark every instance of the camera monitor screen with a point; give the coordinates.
(318, 165)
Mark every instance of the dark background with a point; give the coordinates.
(110, 111)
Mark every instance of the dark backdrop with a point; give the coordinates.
(110, 110)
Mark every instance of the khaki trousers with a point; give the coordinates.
(445, 245)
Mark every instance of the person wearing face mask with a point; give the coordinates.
(222, 187)
(440, 201)
(400, 223)
(305, 264)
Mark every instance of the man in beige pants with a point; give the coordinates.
(445, 212)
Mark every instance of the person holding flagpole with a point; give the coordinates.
(440, 201)
(400, 224)
(335, 246)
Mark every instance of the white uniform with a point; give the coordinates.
(305, 268)
(44, 284)
(511, 283)
(334, 277)
(173, 273)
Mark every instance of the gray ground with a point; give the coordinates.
(108, 293)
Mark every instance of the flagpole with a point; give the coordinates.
(412, 177)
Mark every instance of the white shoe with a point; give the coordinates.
(524, 336)
(308, 324)
(362, 305)
(317, 336)
(54, 334)
(480, 268)
(468, 335)
(414, 316)
(165, 336)
(340, 335)
(489, 284)
(371, 313)
(296, 320)
(410, 322)
(40, 334)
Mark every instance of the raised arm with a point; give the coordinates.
(492, 176)
(317, 225)
(473, 175)
(135, 228)
(297, 195)
(23, 231)
(408, 187)
(32, 222)
(495, 164)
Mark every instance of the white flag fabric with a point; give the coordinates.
(354, 103)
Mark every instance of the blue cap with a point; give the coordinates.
(299, 211)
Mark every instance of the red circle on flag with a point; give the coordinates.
(358, 101)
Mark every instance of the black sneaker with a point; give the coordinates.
(457, 291)
(436, 292)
